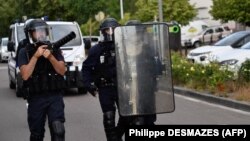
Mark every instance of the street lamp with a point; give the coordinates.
(121, 8)
(160, 10)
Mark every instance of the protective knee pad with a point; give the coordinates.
(109, 126)
(57, 131)
(138, 121)
(34, 137)
(109, 119)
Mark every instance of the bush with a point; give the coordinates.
(200, 77)
(211, 78)
(244, 72)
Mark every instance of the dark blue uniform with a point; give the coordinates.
(100, 68)
(48, 103)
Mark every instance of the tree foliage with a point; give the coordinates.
(236, 10)
(7, 10)
(84, 11)
(173, 10)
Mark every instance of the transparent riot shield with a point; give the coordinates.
(144, 69)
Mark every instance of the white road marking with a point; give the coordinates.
(212, 104)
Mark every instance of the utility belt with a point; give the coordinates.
(102, 82)
(41, 84)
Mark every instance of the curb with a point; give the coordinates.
(213, 99)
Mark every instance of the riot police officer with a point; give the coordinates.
(99, 73)
(42, 71)
(141, 119)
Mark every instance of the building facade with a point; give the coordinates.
(203, 7)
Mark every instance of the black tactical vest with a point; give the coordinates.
(105, 70)
(44, 77)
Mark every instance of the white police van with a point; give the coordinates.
(73, 52)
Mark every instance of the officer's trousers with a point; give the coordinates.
(109, 101)
(40, 107)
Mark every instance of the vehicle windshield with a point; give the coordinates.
(93, 39)
(230, 39)
(246, 46)
(59, 31)
(202, 32)
(20, 33)
(4, 42)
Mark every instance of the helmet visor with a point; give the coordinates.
(107, 34)
(41, 33)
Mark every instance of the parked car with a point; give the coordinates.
(233, 59)
(235, 40)
(191, 30)
(4, 54)
(73, 52)
(93, 39)
(208, 36)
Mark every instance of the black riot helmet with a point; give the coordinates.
(37, 30)
(107, 29)
(133, 22)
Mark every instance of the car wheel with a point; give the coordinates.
(197, 44)
(18, 91)
(1, 58)
(12, 85)
(19, 84)
(82, 91)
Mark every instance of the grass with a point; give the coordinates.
(243, 94)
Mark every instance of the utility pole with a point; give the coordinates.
(121, 8)
(160, 11)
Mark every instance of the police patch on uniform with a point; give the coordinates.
(101, 59)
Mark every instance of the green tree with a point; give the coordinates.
(82, 10)
(39, 8)
(90, 27)
(7, 10)
(52, 8)
(129, 6)
(85, 10)
(173, 10)
(236, 10)
(147, 9)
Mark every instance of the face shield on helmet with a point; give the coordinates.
(40, 34)
(107, 29)
(38, 31)
(133, 22)
(107, 34)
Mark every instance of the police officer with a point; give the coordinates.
(140, 119)
(99, 73)
(42, 71)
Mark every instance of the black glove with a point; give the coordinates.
(92, 89)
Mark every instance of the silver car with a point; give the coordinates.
(4, 54)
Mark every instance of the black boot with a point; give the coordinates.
(34, 137)
(109, 126)
(122, 123)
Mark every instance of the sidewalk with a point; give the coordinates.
(244, 106)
